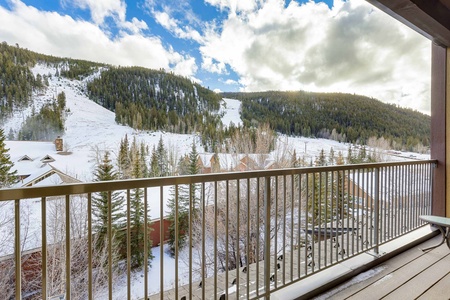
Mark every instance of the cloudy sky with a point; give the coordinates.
(236, 45)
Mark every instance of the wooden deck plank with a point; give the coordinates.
(438, 291)
(417, 285)
(393, 280)
(352, 286)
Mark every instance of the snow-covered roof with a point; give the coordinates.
(45, 175)
(395, 182)
(27, 156)
(231, 161)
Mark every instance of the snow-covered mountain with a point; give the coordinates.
(91, 129)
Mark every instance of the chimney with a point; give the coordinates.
(59, 143)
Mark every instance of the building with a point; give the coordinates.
(280, 264)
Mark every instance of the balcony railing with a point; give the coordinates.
(235, 235)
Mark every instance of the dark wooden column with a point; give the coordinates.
(439, 130)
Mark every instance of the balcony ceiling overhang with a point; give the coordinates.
(431, 18)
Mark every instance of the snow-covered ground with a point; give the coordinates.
(91, 129)
(231, 111)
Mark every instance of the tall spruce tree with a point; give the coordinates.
(194, 169)
(123, 160)
(163, 161)
(154, 165)
(187, 198)
(100, 201)
(7, 176)
(137, 220)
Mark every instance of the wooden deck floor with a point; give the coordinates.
(413, 274)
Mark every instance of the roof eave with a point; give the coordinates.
(430, 18)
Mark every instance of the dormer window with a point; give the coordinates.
(47, 159)
(25, 158)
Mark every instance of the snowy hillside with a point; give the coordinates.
(91, 129)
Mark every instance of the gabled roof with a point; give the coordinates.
(46, 175)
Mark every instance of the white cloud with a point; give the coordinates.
(55, 34)
(351, 48)
(177, 28)
(213, 66)
(185, 66)
(234, 6)
(100, 9)
(231, 82)
(135, 26)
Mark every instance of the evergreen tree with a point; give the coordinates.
(7, 176)
(154, 165)
(61, 100)
(331, 157)
(100, 201)
(187, 197)
(321, 160)
(137, 213)
(294, 161)
(123, 159)
(163, 161)
(194, 169)
(183, 165)
(362, 154)
(340, 159)
(350, 156)
(143, 154)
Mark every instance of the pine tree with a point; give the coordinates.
(340, 159)
(187, 197)
(123, 160)
(100, 202)
(331, 157)
(321, 160)
(163, 161)
(7, 176)
(362, 154)
(183, 165)
(154, 165)
(350, 156)
(194, 169)
(137, 221)
(145, 170)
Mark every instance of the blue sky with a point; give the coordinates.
(236, 45)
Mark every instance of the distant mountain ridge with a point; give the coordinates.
(352, 118)
(158, 100)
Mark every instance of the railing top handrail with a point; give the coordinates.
(92, 187)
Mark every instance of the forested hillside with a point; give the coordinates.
(338, 116)
(158, 100)
(18, 84)
(152, 100)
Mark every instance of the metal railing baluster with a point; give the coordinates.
(390, 195)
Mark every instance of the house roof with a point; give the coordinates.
(35, 151)
(395, 183)
(46, 175)
(32, 162)
(231, 161)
